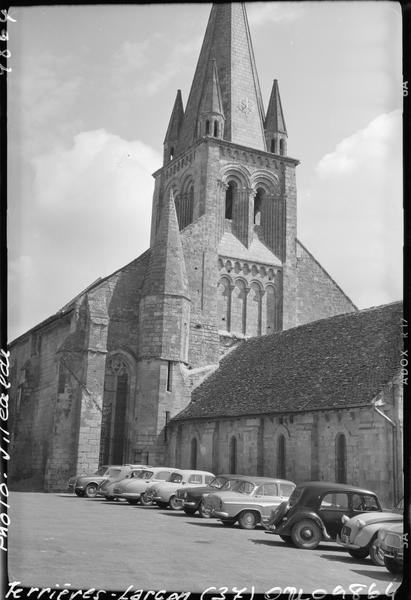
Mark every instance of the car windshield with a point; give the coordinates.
(113, 472)
(134, 474)
(218, 482)
(232, 484)
(101, 470)
(295, 496)
(176, 478)
(145, 475)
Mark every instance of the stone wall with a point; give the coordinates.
(318, 295)
(310, 446)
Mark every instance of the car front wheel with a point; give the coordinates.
(376, 554)
(174, 504)
(359, 553)
(306, 534)
(204, 512)
(91, 490)
(146, 500)
(392, 565)
(248, 520)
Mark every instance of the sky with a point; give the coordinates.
(89, 99)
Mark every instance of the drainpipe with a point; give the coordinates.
(380, 402)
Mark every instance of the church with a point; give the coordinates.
(212, 349)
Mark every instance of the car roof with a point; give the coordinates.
(331, 485)
(185, 471)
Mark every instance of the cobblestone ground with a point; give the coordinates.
(58, 539)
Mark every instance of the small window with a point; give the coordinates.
(269, 489)
(195, 478)
(215, 129)
(207, 127)
(337, 501)
(169, 375)
(273, 144)
(282, 147)
(193, 457)
(171, 152)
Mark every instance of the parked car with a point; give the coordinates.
(391, 541)
(191, 499)
(99, 473)
(87, 485)
(106, 487)
(315, 509)
(250, 501)
(359, 534)
(134, 490)
(164, 494)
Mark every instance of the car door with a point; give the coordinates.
(267, 496)
(332, 507)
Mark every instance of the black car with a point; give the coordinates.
(315, 509)
(191, 498)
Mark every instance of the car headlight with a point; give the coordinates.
(360, 523)
(382, 535)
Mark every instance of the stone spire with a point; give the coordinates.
(173, 130)
(275, 129)
(166, 274)
(227, 40)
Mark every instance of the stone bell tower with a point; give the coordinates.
(226, 164)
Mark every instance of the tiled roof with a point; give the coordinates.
(331, 363)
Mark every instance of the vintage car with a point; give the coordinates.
(134, 490)
(99, 473)
(192, 498)
(250, 501)
(359, 534)
(165, 494)
(106, 487)
(315, 509)
(392, 542)
(87, 485)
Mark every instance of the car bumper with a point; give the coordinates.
(219, 514)
(188, 504)
(130, 495)
(345, 542)
(159, 499)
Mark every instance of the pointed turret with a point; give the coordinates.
(173, 130)
(227, 40)
(211, 114)
(166, 270)
(274, 126)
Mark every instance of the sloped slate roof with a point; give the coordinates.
(332, 363)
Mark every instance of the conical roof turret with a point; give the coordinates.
(274, 120)
(166, 273)
(211, 102)
(227, 40)
(176, 119)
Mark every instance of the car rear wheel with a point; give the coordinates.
(392, 565)
(306, 534)
(359, 553)
(91, 490)
(189, 511)
(204, 512)
(248, 520)
(146, 500)
(228, 523)
(376, 554)
(132, 501)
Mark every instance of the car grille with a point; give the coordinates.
(346, 530)
(213, 503)
(393, 542)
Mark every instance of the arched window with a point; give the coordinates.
(215, 129)
(229, 200)
(238, 307)
(273, 146)
(207, 129)
(282, 147)
(254, 310)
(193, 456)
(281, 457)
(340, 459)
(119, 419)
(171, 152)
(233, 456)
(258, 202)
